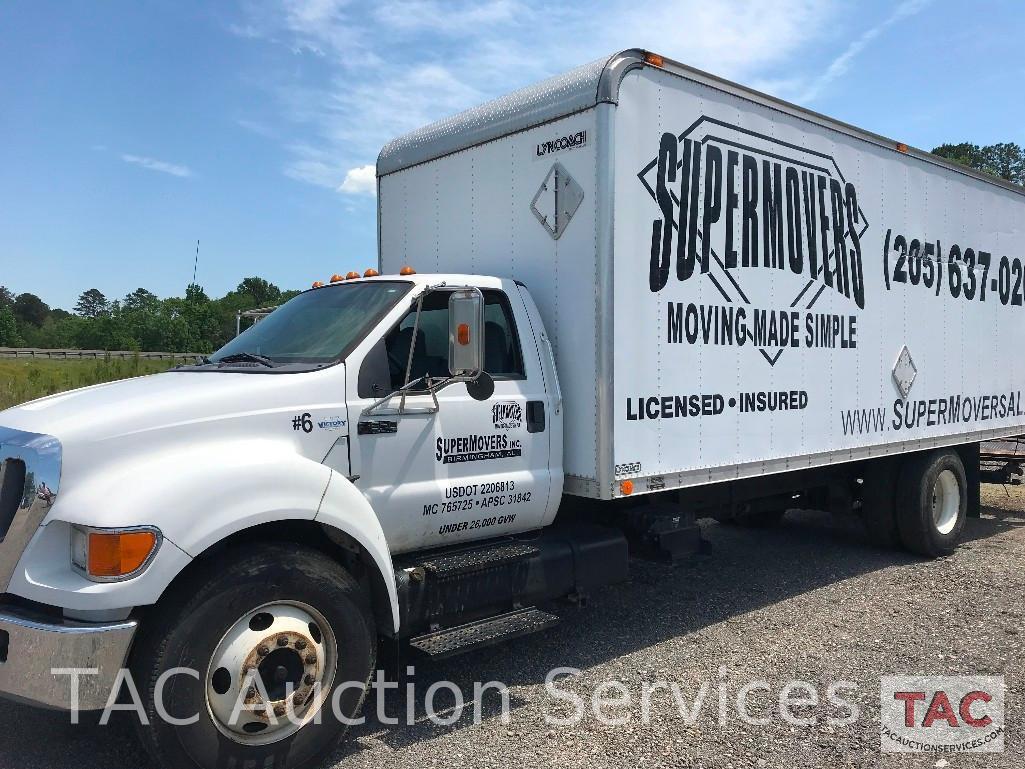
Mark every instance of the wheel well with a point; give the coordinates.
(334, 543)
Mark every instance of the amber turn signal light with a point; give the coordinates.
(463, 334)
(654, 59)
(107, 555)
(626, 488)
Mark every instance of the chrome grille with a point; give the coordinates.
(30, 467)
(12, 492)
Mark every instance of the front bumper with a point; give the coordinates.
(32, 647)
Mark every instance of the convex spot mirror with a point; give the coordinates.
(466, 333)
(481, 388)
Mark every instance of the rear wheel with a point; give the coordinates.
(265, 645)
(932, 501)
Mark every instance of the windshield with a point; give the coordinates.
(316, 327)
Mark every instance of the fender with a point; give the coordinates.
(345, 508)
(196, 496)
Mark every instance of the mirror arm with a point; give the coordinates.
(432, 387)
(412, 347)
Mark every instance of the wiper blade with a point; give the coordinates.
(236, 357)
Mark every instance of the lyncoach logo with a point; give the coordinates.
(567, 142)
(732, 202)
(942, 714)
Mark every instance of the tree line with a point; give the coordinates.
(139, 321)
(1005, 160)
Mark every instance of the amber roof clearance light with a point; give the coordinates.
(317, 284)
(336, 278)
(407, 270)
(371, 273)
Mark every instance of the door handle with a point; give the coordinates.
(535, 416)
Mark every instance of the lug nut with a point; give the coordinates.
(263, 651)
(298, 699)
(282, 641)
(311, 658)
(300, 644)
(279, 710)
(252, 692)
(309, 679)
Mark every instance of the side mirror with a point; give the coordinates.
(481, 388)
(466, 333)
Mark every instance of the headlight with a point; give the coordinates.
(110, 555)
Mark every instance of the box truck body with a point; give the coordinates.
(733, 285)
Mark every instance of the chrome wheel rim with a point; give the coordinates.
(946, 501)
(271, 673)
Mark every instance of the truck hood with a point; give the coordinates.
(172, 399)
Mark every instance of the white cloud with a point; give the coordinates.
(158, 165)
(360, 181)
(842, 63)
(450, 17)
(367, 73)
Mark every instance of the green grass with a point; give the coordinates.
(23, 380)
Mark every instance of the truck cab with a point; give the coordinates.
(325, 479)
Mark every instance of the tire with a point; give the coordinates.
(213, 617)
(932, 501)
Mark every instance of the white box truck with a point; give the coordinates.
(605, 305)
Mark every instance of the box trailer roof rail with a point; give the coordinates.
(597, 83)
(579, 89)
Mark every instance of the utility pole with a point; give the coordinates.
(195, 265)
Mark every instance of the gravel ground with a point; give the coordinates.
(811, 600)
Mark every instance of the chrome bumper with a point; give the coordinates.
(32, 648)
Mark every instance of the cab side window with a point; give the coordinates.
(503, 358)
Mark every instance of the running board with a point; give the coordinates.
(484, 632)
(475, 561)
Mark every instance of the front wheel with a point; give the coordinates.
(258, 662)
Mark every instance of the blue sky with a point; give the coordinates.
(128, 130)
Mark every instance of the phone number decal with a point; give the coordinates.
(961, 273)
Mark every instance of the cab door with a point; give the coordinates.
(471, 469)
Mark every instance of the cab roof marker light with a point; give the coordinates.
(336, 278)
(407, 270)
(351, 275)
(371, 273)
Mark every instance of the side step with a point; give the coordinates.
(451, 565)
(484, 632)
